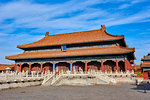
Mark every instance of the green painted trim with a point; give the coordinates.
(71, 59)
(78, 56)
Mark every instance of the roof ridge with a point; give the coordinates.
(88, 31)
(74, 32)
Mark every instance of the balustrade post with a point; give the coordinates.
(26, 74)
(32, 74)
(37, 74)
(20, 74)
(41, 74)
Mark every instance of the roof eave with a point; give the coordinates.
(9, 57)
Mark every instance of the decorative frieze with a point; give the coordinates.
(73, 59)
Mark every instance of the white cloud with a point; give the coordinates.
(46, 17)
(10, 42)
(131, 3)
(3, 34)
(136, 18)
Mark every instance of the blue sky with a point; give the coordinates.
(26, 21)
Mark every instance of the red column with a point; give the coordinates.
(117, 66)
(85, 66)
(15, 68)
(102, 66)
(41, 67)
(20, 68)
(126, 65)
(29, 68)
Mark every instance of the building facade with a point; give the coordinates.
(87, 50)
(145, 65)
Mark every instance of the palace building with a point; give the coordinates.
(145, 65)
(87, 50)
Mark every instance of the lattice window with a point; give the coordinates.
(63, 48)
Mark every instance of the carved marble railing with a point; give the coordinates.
(21, 76)
(48, 76)
(108, 77)
(53, 77)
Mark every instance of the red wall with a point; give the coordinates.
(145, 75)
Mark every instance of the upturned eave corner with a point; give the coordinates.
(19, 46)
(7, 57)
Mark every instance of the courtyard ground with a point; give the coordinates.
(101, 92)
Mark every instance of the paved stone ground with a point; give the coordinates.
(103, 92)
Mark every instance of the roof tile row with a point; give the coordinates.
(70, 38)
(73, 52)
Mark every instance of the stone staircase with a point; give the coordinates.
(51, 78)
(68, 78)
(96, 77)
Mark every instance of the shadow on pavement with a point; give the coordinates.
(142, 88)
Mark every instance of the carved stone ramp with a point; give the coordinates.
(48, 78)
(56, 79)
